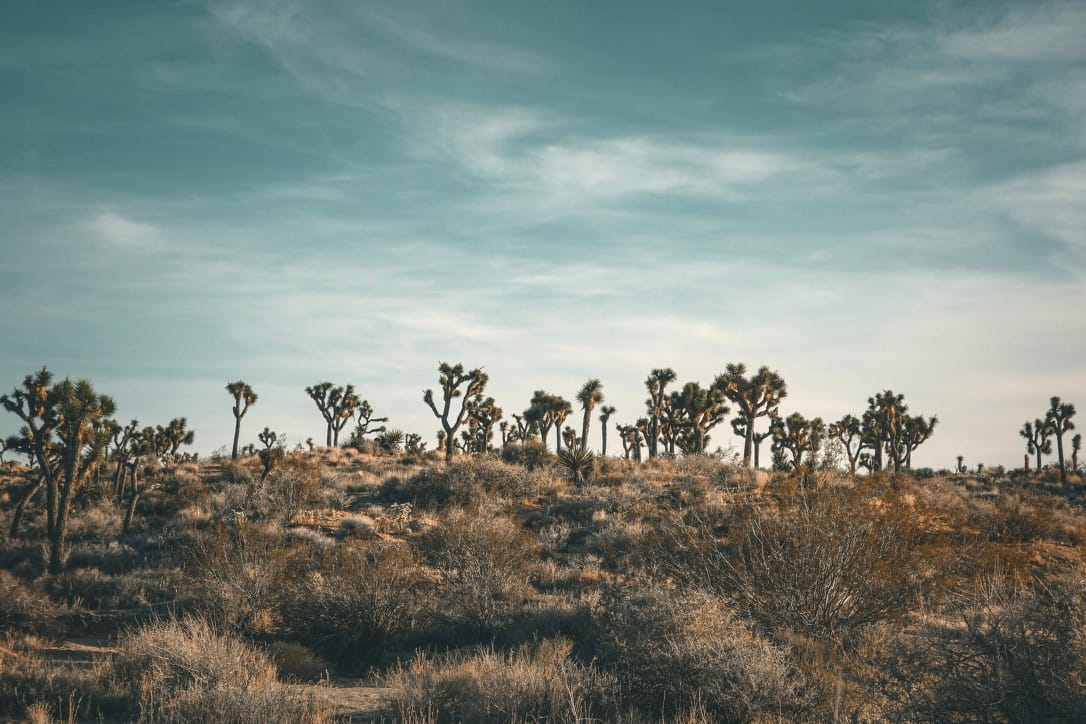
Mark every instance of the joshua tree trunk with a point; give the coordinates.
(237, 436)
(1039, 453)
(584, 427)
(1059, 457)
(59, 537)
(603, 431)
(130, 512)
(757, 453)
(20, 509)
(328, 436)
(558, 438)
(748, 445)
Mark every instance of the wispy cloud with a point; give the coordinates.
(115, 229)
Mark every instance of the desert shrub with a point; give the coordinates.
(1003, 653)
(29, 683)
(481, 560)
(672, 652)
(295, 662)
(293, 486)
(184, 671)
(467, 482)
(533, 683)
(532, 454)
(240, 573)
(579, 464)
(26, 608)
(822, 563)
(355, 601)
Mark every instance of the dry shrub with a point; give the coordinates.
(295, 662)
(26, 608)
(483, 563)
(532, 454)
(673, 653)
(29, 683)
(184, 671)
(823, 563)
(240, 573)
(356, 601)
(293, 486)
(533, 683)
(469, 481)
(1002, 653)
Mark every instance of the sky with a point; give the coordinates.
(861, 196)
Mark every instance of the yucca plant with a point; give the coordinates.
(579, 462)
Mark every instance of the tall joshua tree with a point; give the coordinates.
(1058, 418)
(78, 418)
(558, 409)
(656, 384)
(756, 396)
(244, 398)
(849, 432)
(797, 435)
(605, 415)
(337, 406)
(455, 383)
(590, 395)
(1037, 436)
(698, 410)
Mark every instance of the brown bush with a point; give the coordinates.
(469, 481)
(1001, 652)
(26, 608)
(184, 671)
(823, 563)
(483, 563)
(533, 683)
(673, 653)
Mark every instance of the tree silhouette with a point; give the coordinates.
(756, 396)
(605, 415)
(1076, 445)
(452, 379)
(244, 398)
(337, 406)
(656, 384)
(1058, 418)
(698, 410)
(590, 395)
(887, 427)
(78, 418)
(1037, 436)
(272, 454)
(797, 435)
(482, 416)
(365, 416)
(546, 411)
(849, 431)
(175, 434)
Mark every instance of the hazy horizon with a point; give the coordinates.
(861, 196)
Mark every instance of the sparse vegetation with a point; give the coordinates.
(521, 585)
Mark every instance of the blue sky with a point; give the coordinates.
(860, 195)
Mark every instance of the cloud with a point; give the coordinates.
(1051, 201)
(113, 228)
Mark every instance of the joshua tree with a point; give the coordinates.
(605, 415)
(452, 379)
(961, 464)
(77, 416)
(656, 384)
(546, 411)
(337, 406)
(482, 416)
(1058, 418)
(590, 395)
(569, 438)
(754, 397)
(887, 427)
(150, 443)
(272, 454)
(849, 431)
(365, 416)
(175, 435)
(1076, 445)
(122, 451)
(797, 435)
(1037, 436)
(698, 410)
(244, 398)
(21, 444)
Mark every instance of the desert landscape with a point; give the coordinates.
(437, 361)
(512, 580)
